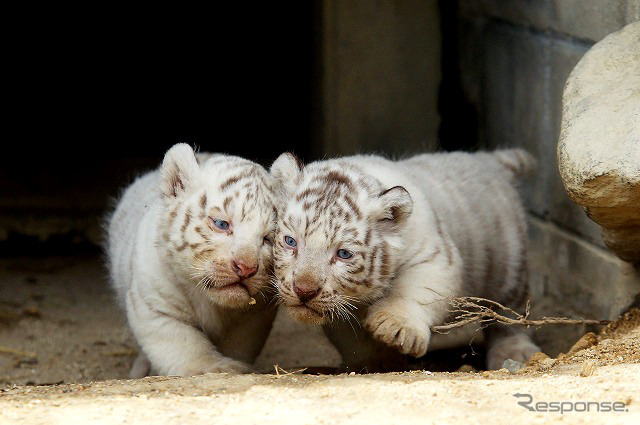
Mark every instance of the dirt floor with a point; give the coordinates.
(59, 324)
(65, 352)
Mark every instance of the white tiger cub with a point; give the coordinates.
(189, 249)
(389, 241)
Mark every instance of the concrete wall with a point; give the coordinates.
(514, 59)
(380, 76)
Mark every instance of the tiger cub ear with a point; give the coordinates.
(286, 172)
(179, 170)
(393, 206)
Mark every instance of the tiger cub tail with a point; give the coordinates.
(518, 163)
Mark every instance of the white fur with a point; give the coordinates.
(159, 262)
(455, 227)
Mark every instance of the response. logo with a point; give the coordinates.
(526, 401)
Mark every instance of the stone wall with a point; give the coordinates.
(514, 59)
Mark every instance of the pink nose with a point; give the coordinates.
(243, 269)
(305, 293)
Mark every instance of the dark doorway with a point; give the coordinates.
(93, 108)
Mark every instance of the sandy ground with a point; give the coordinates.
(60, 314)
(65, 351)
(410, 397)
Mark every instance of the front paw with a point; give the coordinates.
(515, 347)
(397, 332)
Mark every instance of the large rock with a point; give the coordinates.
(599, 147)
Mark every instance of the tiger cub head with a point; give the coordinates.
(218, 224)
(337, 237)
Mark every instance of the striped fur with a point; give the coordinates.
(172, 267)
(420, 230)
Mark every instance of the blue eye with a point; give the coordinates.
(344, 254)
(290, 241)
(220, 224)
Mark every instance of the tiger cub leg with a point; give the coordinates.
(418, 299)
(507, 342)
(141, 367)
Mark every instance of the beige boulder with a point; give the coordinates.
(599, 147)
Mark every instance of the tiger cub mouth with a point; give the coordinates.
(306, 314)
(238, 285)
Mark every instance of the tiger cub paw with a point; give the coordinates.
(398, 332)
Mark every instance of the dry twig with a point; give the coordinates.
(468, 310)
(281, 372)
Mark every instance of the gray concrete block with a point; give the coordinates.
(515, 103)
(592, 20)
(531, 114)
(535, 13)
(573, 278)
(496, 121)
(381, 76)
(522, 78)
